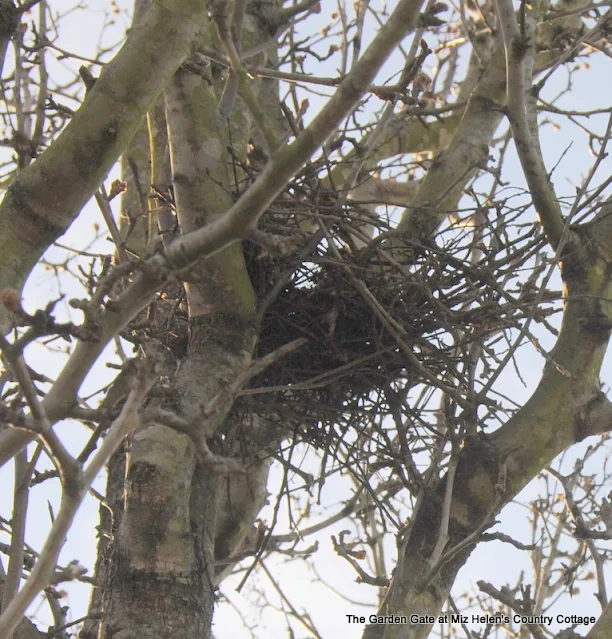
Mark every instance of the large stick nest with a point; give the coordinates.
(369, 321)
(371, 317)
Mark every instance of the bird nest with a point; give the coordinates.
(356, 334)
(369, 320)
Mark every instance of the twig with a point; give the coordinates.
(506, 597)
(583, 530)
(66, 463)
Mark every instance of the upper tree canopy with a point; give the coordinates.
(342, 238)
